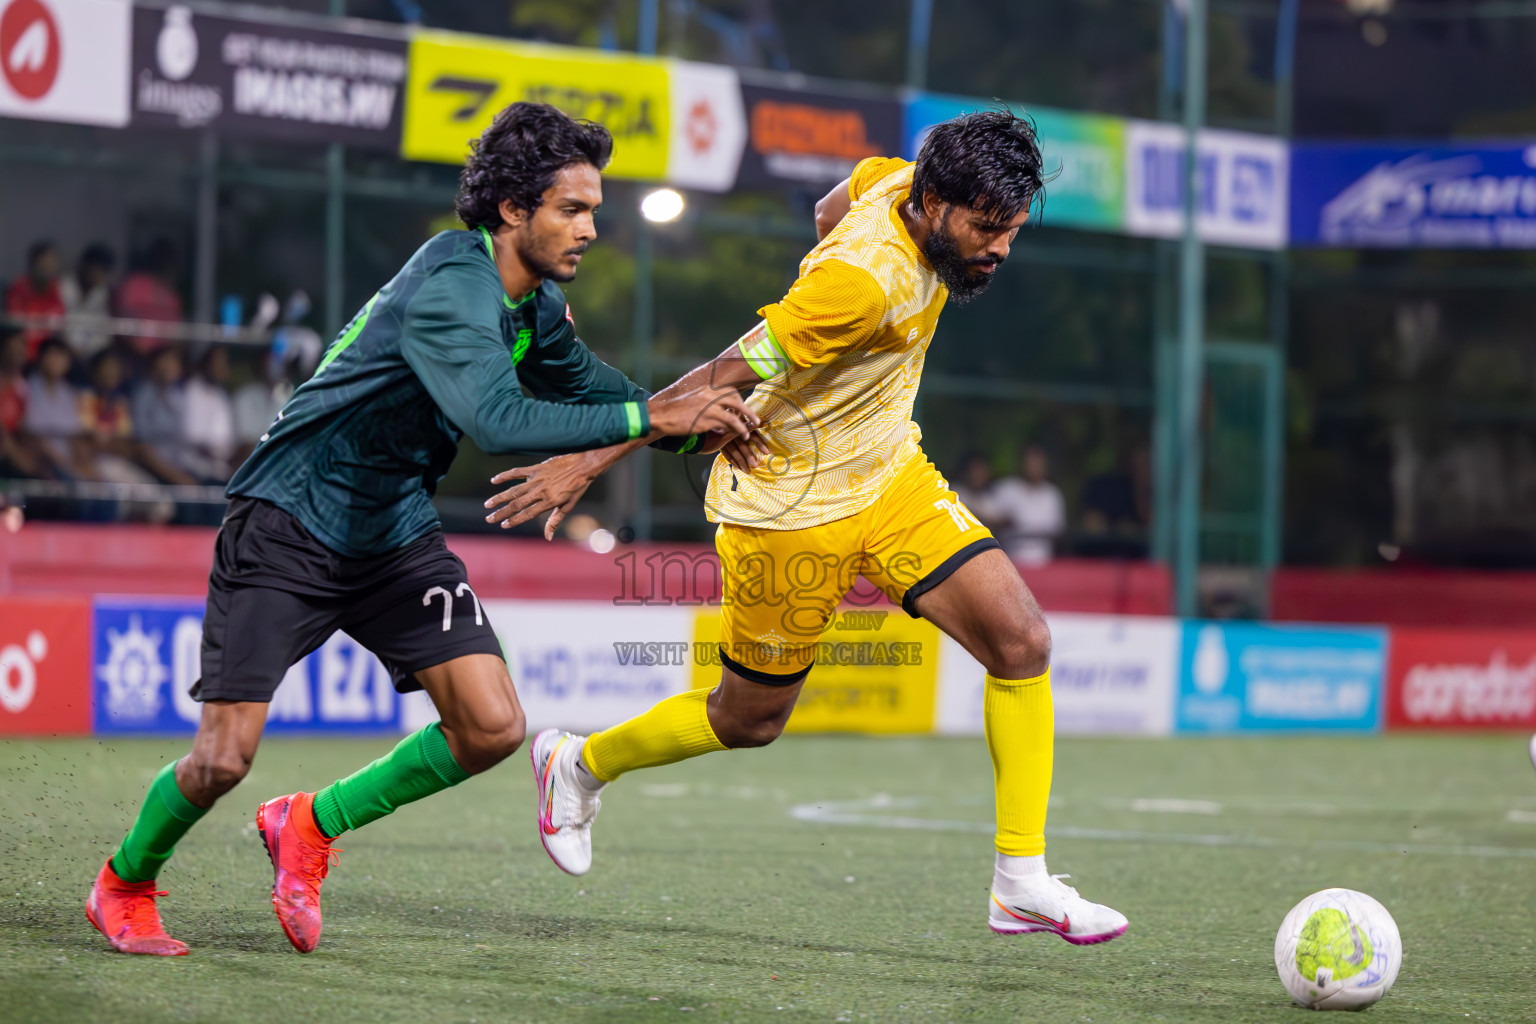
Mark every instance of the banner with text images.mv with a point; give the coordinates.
(1431, 196)
(65, 60)
(147, 652)
(1247, 677)
(1084, 152)
(813, 139)
(259, 80)
(458, 83)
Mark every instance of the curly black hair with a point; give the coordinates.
(518, 157)
(988, 160)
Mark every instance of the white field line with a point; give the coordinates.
(856, 812)
(1173, 806)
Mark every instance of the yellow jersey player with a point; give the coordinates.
(837, 486)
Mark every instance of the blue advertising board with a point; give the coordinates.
(1240, 676)
(1432, 196)
(146, 654)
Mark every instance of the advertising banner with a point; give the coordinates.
(1240, 676)
(1462, 679)
(458, 83)
(65, 60)
(813, 139)
(1109, 675)
(147, 652)
(1242, 182)
(876, 672)
(709, 126)
(586, 665)
(259, 80)
(1085, 152)
(1397, 197)
(45, 666)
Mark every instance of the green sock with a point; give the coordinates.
(421, 765)
(163, 820)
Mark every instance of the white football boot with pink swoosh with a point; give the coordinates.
(566, 806)
(1043, 903)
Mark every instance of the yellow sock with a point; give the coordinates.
(1021, 728)
(674, 730)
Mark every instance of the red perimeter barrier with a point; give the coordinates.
(56, 558)
(1405, 597)
(45, 674)
(1462, 679)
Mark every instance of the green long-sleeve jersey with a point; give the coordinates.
(439, 352)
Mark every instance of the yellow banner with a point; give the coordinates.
(458, 83)
(877, 671)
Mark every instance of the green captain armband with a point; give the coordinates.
(762, 351)
(635, 418)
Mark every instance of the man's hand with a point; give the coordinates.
(556, 483)
(701, 411)
(746, 455)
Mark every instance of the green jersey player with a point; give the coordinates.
(331, 526)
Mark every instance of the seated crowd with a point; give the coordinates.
(82, 404)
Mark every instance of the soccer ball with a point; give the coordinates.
(1338, 950)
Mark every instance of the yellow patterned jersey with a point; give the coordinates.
(841, 356)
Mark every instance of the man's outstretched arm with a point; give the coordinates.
(555, 485)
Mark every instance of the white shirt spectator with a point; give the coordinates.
(209, 429)
(256, 406)
(1031, 516)
(84, 339)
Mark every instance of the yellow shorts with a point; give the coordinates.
(782, 587)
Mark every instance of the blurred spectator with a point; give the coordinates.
(1029, 509)
(148, 292)
(1117, 509)
(17, 457)
(87, 292)
(159, 410)
(256, 405)
(975, 483)
(108, 425)
(52, 417)
(210, 418)
(37, 292)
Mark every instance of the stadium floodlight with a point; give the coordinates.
(662, 205)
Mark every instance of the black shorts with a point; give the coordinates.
(276, 594)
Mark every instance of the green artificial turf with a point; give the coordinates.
(820, 879)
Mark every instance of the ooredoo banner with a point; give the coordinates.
(65, 60)
(249, 78)
(44, 666)
(813, 139)
(1462, 679)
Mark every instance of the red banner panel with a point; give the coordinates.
(1462, 679)
(45, 666)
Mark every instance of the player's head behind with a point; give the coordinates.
(537, 172)
(977, 178)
